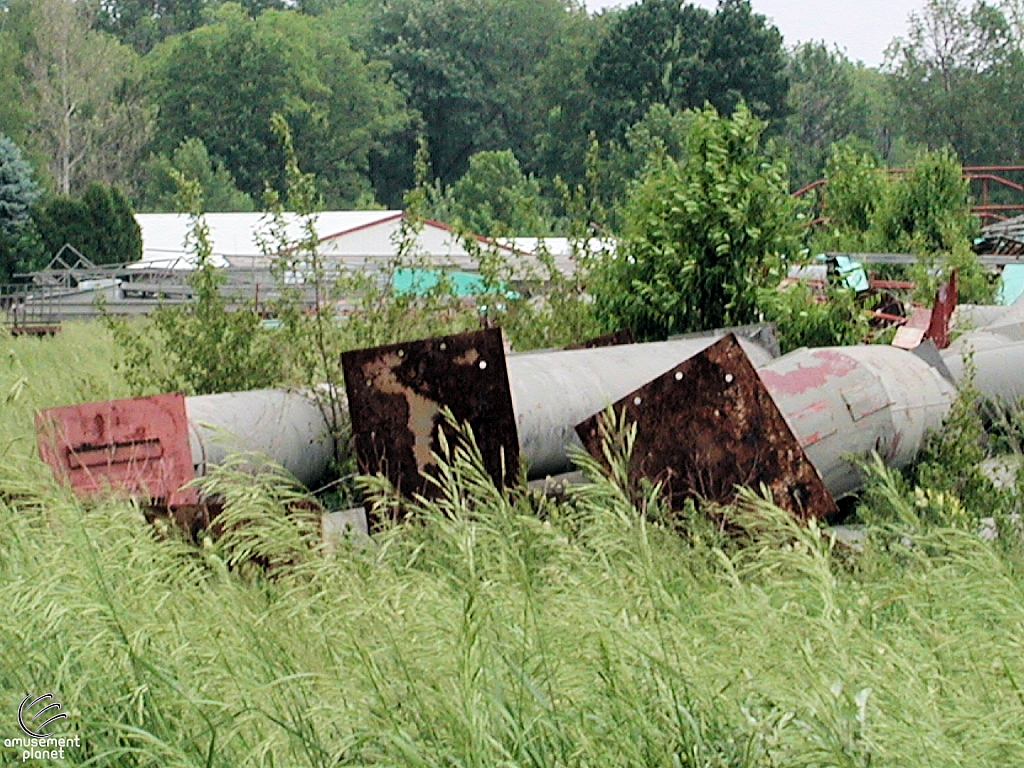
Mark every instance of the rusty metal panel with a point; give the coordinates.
(136, 445)
(942, 314)
(709, 425)
(396, 394)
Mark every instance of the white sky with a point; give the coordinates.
(863, 28)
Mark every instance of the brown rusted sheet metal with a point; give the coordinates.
(708, 426)
(396, 394)
(137, 445)
(945, 305)
(613, 339)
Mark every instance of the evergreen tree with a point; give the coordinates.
(18, 190)
(100, 225)
(19, 247)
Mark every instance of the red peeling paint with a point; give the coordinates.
(831, 365)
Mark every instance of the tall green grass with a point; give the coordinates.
(496, 628)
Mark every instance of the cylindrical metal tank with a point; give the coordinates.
(997, 361)
(848, 401)
(552, 392)
(288, 427)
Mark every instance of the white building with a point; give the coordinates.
(358, 240)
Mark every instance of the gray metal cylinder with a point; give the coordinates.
(287, 427)
(552, 392)
(997, 359)
(849, 401)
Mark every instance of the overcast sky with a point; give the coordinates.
(862, 27)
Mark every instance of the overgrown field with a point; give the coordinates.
(497, 630)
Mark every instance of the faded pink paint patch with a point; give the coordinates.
(827, 364)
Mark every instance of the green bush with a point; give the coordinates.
(100, 225)
(925, 212)
(703, 235)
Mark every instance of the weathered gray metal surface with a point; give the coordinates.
(552, 392)
(849, 401)
(997, 361)
(289, 427)
(396, 394)
(709, 425)
(765, 335)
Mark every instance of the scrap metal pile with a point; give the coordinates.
(712, 413)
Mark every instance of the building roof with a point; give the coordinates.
(236, 236)
(357, 239)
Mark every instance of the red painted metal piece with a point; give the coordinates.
(945, 305)
(825, 364)
(137, 445)
(892, 285)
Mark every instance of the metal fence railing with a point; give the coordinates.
(30, 309)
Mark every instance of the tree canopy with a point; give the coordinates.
(702, 234)
(221, 83)
(680, 55)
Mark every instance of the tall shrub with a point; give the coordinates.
(702, 233)
(101, 225)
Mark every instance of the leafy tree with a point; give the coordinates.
(221, 83)
(826, 105)
(857, 188)
(216, 189)
(702, 235)
(18, 191)
(957, 78)
(494, 197)
(668, 52)
(144, 23)
(88, 119)
(14, 112)
(470, 68)
(931, 208)
(100, 224)
(925, 212)
(661, 133)
(563, 96)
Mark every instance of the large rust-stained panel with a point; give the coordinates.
(136, 445)
(708, 426)
(396, 394)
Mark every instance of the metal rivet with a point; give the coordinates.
(369, 383)
(637, 400)
(679, 375)
(401, 353)
(728, 378)
(443, 346)
(483, 364)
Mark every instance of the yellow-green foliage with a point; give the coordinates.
(483, 633)
(925, 212)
